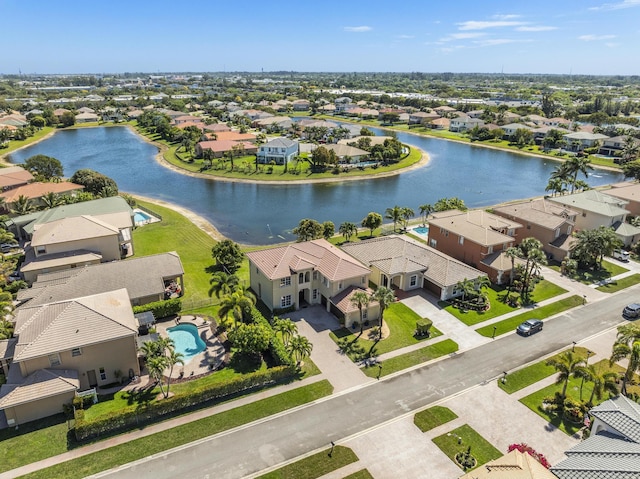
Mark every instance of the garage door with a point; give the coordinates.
(429, 286)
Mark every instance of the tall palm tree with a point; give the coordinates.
(531, 252)
(385, 297)
(286, 328)
(566, 365)
(236, 304)
(407, 214)
(627, 346)
(394, 214)
(360, 299)
(347, 230)
(223, 283)
(512, 253)
(299, 347)
(603, 381)
(156, 366)
(577, 165)
(173, 358)
(425, 211)
(630, 150)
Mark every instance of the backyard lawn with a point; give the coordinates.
(461, 438)
(543, 290)
(433, 417)
(401, 321)
(510, 324)
(404, 361)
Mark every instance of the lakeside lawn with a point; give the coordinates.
(543, 290)
(463, 437)
(593, 276)
(620, 284)
(404, 361)
(161, 441)
(401, 321)
(533, 373)
(543, 312)
(433, 417)
(316, 465)
(17, 144)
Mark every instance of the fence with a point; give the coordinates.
(190, 304)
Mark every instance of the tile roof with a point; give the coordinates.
(321, 255)
(540, 212)
(621, 414)
(342, 300)
(14, 175)
(279, 143)
(513, 465)
(141, 277)
(38, 189)
(396, 254)
(475, 225)
(595, 201)
(41, 384)
(224, 145)
(36, 263)
(7, 348)
(71, 229)
(626, 191)
(345, 150)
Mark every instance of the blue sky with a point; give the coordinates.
(543, 36)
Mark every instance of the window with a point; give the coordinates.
(54, 360)
(413, 280)
(490, 249)
(557, 232)
(285, 281)
(433, 243)
(103, 374)
(460, 239)
(340, 285)
(301, 278)
(41, 250)
(285, 301)
(315, 294)
(363, 280)
(315, 275)
(364, 314)
(584, 215)
(76, 352)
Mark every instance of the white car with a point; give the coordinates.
(621, 255)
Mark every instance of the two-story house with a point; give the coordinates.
(476, 238)
(311, 272)
(463, 123)
(278, 150)
(548, 222)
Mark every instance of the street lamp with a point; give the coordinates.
(493, 336)
(589, 353)
(573, 348)
(504, 377)
(379, 371)
(331, 451)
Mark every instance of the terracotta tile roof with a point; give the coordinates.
(235, 136)
(475, 225)
(514, 465)
(41, 384)
(13, 176)
(71, 229)
(224, 145)
(321, 255)
(54, 327)
(342, 300)
(540, 212)
(216, 127)
(38, 189)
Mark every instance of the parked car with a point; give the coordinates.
(621, 255)
(6, 247)
(529, 327)
(631, 310)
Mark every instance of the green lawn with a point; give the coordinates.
(542, 312)
(533, 373)
(401, 321)
(316, 465)
(620, 284)
(183, 434)
(461, 438)
(593, 276)
(363, 474)
(433, 417)
(543, 290)
(407, 360)
(15, 144)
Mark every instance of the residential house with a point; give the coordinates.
(347, 154)
(402, 263)
(14, 176)
(278, 150)
(614, 146)
(629, 192)
(513, 465)
(343, 103)
(550, 223)
(63, 347)
(179, 120)
(475, 113)
(440, 124)
(216, 127)
(511, 128)
(36, 190)
(477, 238)
(232, 136)
(84, 109)
(612, 450)
(58, 112)
(445, 111)
(463, 123)
(146, 279)
(421, 117)
(580, 140)
(312, 272)
(558, 122)
(219, 148)
(301, 105)
(273, 122)
(87, 118)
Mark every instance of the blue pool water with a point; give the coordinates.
(139, 217)
(186, 340)
(422, 230)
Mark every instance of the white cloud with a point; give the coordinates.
(593, 38)
(480, 25)
(360, 29)
(405, 37)
(540, 28)
(506, 17)
(617, 6)
(462, 36)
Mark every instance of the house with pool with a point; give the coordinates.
(62, 347)
(308, 273)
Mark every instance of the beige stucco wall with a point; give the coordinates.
(38, 409)
(120, 354)
(31, 276)
(107, 246)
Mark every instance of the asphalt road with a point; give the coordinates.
(257, 446)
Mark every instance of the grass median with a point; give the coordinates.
(542, 312)
(183, 434)
(433, 417)
(404, 361)
(464, 437)
(316, 465)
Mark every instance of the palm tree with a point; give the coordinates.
(360, 299)
(149, 349)
(394, 214)
(512, 253)
(385, 297)
(425, 211)
(630, 150)
(603, 381)
(347, 230)
(467, 287)
(22, 206)
(531, 252)
(577, 165)
(407, 214)
(566, 365)
(299, 347)
(627, 346)
(556, 186)
(286, 328)
(236, 304)
(51, 200)
(156, 366)
(223, 283)
(173, 358)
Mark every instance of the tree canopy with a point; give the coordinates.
(95, 183)
(44, 167)
(228, 256)
(309, 229)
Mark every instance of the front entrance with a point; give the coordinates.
(91, 376)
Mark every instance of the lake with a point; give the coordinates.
(265, 214)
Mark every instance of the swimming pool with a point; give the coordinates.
(140, 217)
(186, 341)
(421, 230)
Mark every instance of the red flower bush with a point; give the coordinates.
(522, 447)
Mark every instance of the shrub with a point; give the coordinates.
(83, 402)
(522, 447)
(423, 327)
(161, 309)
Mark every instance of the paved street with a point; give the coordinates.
(252, 448)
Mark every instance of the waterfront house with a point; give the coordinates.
(219, 148)
(36, 190)
(550, 223)
(463, 123)
(301, 105)
(87, 117)
(402, 263)
(476, 238)
(14, 176)
(311, 272)
(629, 192)
(580, 140)
(278, 150)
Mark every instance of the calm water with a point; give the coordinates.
(264, 214)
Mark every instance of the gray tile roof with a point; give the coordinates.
(142, 277)
(594, 201)
(41, 384)
(621, 414)
(475, 225)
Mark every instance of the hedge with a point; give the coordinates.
(119, 421)
(161, 309)
(276, 348)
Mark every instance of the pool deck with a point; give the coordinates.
(152, 219)
(202, 363)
